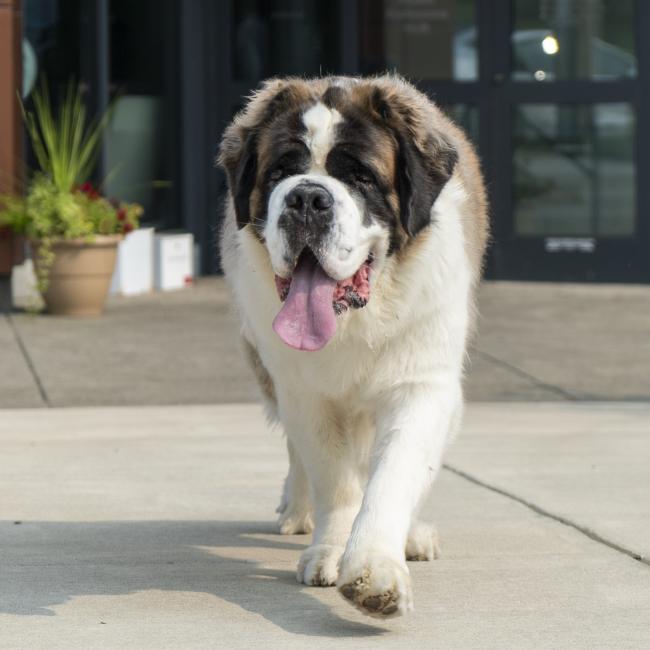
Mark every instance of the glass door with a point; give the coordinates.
(569, 108)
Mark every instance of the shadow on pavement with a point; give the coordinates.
(45, 564)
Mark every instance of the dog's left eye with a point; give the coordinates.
(277, 174)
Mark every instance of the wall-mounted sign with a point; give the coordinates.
(570, 244)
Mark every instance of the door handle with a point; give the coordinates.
(498, 78)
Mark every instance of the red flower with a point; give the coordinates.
(89, 190)
(121, 214)
(127, 228)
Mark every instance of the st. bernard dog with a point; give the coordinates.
(353, 241)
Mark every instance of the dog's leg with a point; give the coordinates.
(329, 460)
(295, 508)
(422, 543)
(413, 425)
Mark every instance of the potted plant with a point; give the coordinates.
(73, 230)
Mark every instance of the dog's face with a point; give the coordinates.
(332, 176)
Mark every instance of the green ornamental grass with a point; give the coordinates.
(65, 148)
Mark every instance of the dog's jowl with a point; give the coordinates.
(353, 241)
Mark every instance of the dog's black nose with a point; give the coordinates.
(309, 200)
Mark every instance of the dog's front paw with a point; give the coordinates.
(376, 584)
(295, 521)
(319, 565)
(422, 543)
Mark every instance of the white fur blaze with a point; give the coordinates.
(320, 123)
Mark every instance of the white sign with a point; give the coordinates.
(570, 244)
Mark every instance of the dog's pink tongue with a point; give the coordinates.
(307, 320)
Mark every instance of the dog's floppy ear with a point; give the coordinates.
(241, 171)
(425, 159)
(238, 150)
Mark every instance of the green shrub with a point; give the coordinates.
(46, 212)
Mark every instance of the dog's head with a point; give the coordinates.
(333, 176)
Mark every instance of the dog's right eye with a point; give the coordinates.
(364, 179)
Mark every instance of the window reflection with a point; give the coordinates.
(574, 171)
(139, 141)
(52, 31)
(422, 39)
(284, 37)
(573, 39)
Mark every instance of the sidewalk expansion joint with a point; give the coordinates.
(561, 392)
(587, 532)
(28, 360)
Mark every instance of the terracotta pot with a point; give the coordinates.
(80, 275)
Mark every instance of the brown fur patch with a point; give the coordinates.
(275, 95)
(262, 375)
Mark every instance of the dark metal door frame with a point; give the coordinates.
(615, 259)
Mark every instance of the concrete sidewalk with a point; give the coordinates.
(153, 527)
(535, 342)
